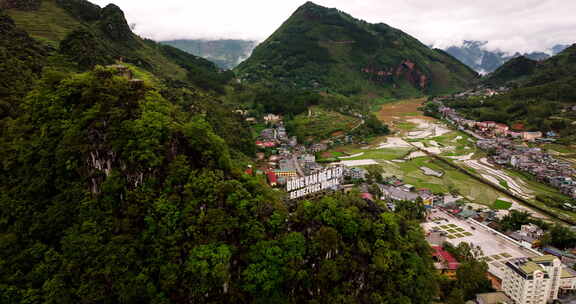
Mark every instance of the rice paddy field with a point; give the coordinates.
(400, 155)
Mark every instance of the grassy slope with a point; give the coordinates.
(322, 124)
(410, 171)
(50, 23)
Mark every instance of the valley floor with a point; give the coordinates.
(421, 150)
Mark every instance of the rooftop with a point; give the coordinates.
(530, 267)
(494, 297)
(544, 259)
(451, 262)
(568, 273)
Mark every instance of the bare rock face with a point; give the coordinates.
(406, 70)
(24, 5)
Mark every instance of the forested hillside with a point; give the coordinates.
(542, 95)
(326, 49)
(121, 181)
(110, 193)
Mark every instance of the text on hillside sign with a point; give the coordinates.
(316, 182)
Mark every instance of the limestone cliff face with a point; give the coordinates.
(405, 71)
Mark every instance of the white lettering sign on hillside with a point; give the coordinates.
(325, 179)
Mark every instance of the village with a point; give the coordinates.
(520, 268)
(281, 158)
(514, 257)
(507, 147)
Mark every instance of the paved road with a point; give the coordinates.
(297, 165)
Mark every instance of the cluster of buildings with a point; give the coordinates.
(544, 167)
(281, 157)
(525, 276)
(498, 140)
(537, 280)
(490, 129)
(276, 136)
(393, 190)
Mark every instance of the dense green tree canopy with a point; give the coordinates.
(109, 193)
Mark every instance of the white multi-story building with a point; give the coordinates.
(534, 280)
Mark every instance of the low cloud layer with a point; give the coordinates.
(513, 25)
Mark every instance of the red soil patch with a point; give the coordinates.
(402, 109)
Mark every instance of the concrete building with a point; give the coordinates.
(397, 193)
(285, 173)
(358, 173)
(308, 158)
(531, 136)
(533, 280)
(271, 118)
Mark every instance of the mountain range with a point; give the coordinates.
(323, 48)
(541, 96)
(525, 72)
(475, 55)
(225, 53)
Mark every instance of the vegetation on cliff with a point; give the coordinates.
(326, 49)
(111, 193)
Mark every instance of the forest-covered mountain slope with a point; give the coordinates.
(124, 183)
(558, 70)
(110, 193)
(475, 55)
(70, 36)
(542, 95)
(87, 35)
(326, 49)
(516, 69)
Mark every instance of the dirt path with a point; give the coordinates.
(495, 175)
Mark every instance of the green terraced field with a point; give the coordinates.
(501, 205)
(50, 23)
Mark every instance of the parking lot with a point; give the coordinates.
(497, 249)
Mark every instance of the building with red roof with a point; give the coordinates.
(249, 171)
(444, 262)
(367, 196)
(501, 129)
(266, 144)
(272, 179)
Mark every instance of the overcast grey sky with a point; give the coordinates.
(510, 25)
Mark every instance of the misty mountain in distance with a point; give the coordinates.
(475, 55)
(548, 75)
(225, 53)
